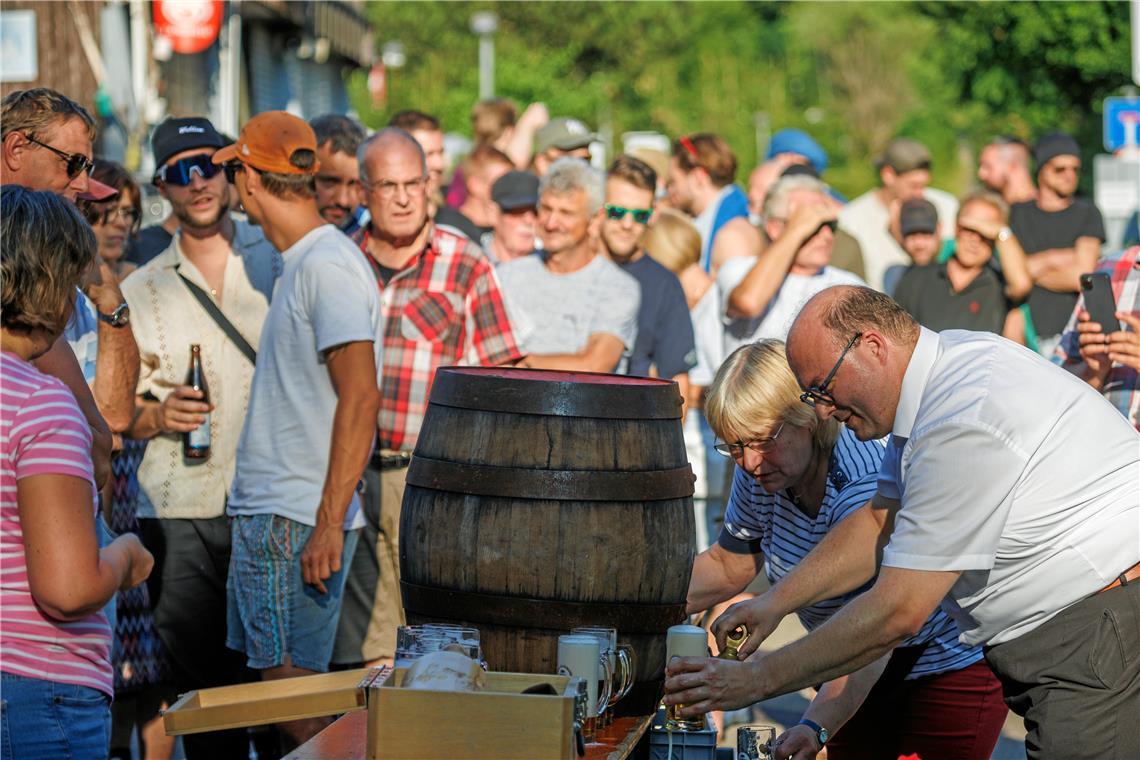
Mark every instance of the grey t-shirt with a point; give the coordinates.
(557, 313)
(326, 297)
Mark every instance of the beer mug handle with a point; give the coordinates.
(604, 695)
(626, 658)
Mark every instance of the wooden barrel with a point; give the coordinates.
(537, 501)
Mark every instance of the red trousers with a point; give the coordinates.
(951, 716)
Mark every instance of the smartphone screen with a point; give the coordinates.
(1099, 302)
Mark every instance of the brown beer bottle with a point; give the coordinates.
(196, 443)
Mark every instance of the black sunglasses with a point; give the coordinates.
(818, 394)
(181, 172)
(231, 169)
(617, 213)
(76, 162)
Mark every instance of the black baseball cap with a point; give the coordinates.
(515, 190)
(1052, 145)
(918, 215)
(176, 135)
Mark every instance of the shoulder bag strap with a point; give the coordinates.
(217, 315)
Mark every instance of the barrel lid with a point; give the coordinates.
(556, 393)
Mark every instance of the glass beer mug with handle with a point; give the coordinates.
(583, 655)
(754, 742)
(621, 664)
(684, 641)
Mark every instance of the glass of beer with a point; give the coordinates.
(583, 656)
(754, 742)
(684, 641)
(620, 665)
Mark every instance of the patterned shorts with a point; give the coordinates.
(271, 611)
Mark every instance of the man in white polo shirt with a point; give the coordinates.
(1010, 494)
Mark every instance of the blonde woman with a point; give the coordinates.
(796, 477)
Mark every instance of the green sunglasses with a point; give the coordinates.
(617, 213)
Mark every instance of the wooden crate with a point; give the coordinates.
(498, 722)
(252, 704)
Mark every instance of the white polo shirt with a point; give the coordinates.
(1013, 472)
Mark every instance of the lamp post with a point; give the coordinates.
(485, 24)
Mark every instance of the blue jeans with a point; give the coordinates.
(53, 721)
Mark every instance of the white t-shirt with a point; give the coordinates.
(326, 296)
(708, 330)
(557, 313)
(1013, 472)
(868, 221)
(776, 320)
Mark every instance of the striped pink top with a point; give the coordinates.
(42, 432)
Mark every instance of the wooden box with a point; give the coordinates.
(252, 704)
(498, 722)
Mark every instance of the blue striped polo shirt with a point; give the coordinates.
(757, 522)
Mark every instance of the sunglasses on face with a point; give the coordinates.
(76, 162)
(181, 173)
(231, 168)
(617, 213)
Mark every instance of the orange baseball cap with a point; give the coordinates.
(268, 140)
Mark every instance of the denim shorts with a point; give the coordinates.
(51, 720)
(271, 612)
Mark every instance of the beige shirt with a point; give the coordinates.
(166, 319)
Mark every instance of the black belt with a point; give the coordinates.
(391, 460)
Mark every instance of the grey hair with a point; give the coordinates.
(381, 139)
(776, 202)
(569, 174)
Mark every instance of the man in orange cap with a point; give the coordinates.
(312, 415)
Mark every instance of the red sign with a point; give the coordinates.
(190, 25)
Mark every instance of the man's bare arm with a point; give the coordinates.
(602, 353)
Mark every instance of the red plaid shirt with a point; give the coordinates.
(443, 308)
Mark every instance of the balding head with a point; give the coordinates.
(384, 141)
(879, 337)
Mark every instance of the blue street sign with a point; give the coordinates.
(1116, 112)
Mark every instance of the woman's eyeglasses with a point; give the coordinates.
(126, 213)
(181, 173)
(759, 445)
(76, 162)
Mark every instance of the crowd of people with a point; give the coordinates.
(325, 273)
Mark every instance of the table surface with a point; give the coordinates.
(347, 737)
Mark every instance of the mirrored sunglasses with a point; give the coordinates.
(181, 172)
(617, 213)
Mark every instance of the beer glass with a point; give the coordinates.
(583, 656)
(620, 665)
(754, 742)
(467, 639)
(684, 641)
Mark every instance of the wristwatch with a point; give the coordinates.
(1004, 234)
(119, 317)
(821, 733)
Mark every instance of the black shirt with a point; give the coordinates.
(927, 294)
(664, 328)
(1038, 231)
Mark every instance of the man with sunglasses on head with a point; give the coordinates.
(47, 145)
(1009, 495)
(181, 502)
(1061, 235)
(441, 305)
(665, 346)
(763, 295)
(576, 309)
(702, 171)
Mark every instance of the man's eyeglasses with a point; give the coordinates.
(760, 445)
(387, 188)
(617, 213)
(818, 394)
(76, 162)
(181, 173)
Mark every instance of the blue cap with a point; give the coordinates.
(798, 141)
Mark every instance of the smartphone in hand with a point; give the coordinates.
(1099, 302)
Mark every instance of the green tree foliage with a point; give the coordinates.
(852, 74)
